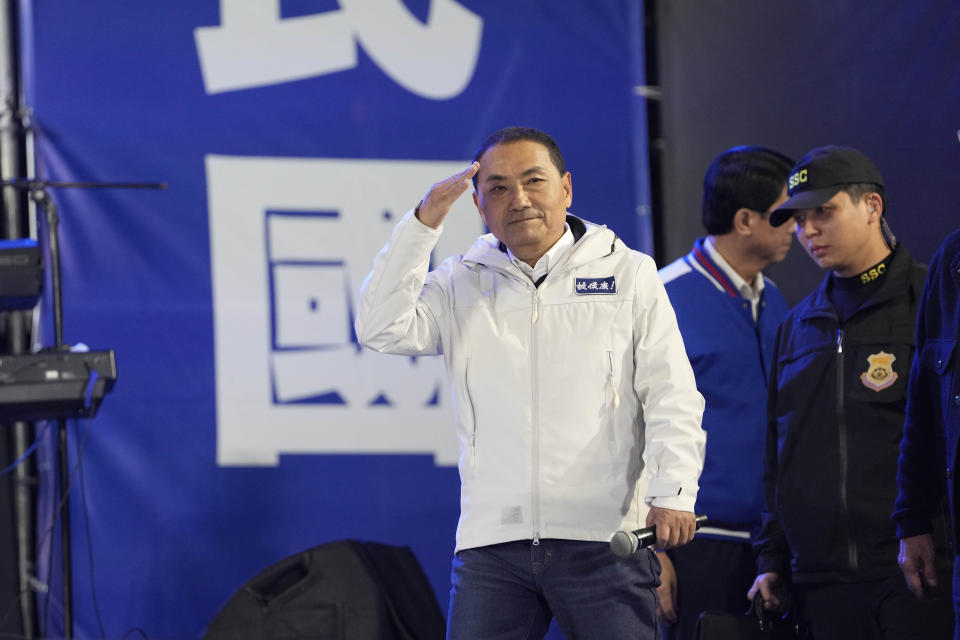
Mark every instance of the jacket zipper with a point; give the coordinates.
(844, 458)
(535, 414)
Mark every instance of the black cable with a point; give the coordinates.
(64, 498)
(44, 618)
(86, 527)
(26, 454)
(56, 518)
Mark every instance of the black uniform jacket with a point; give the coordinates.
(835, 414)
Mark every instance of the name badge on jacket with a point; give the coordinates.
(591, 286)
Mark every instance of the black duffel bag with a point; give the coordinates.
(756, 624)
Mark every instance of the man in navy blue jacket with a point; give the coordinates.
(728, 315)
(933, 417)
(836, 405)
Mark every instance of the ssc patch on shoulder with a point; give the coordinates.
(592, 286)
(879, 374)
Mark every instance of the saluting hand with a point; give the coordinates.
(436, 204)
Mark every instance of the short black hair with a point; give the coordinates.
(856, 191)
(750, 177)
(515, 134)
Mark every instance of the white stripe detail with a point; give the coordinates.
(673, 270)
(706, 274)
(727, 533)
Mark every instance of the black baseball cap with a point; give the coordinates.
(821, 174)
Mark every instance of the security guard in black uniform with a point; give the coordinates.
(835, 415)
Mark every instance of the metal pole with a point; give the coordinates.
(66, 564)
(12, 146)
(53, 238)
(49, 207)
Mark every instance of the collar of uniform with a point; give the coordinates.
(896, 282)
(701, 259)
(746, 289)
(553, 254)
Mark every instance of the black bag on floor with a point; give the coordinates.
(344, 590)
(756, 624)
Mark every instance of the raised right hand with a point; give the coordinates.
(436, 204)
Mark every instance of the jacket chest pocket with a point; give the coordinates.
(939, 356)
(466, 410)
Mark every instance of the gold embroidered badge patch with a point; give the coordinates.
(880, 374)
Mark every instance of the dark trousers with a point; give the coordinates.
(512, 591)
(878, 610)
(712, 575)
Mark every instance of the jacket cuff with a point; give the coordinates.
(670, 494)
(909, 527)
(657, 488)
(773, 563)
(411, 218)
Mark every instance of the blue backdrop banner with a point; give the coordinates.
(246, 424)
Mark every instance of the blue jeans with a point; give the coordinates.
(512, 591)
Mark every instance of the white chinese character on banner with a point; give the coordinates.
(290, 242)
(254, 47)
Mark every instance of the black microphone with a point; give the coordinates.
(625, 543)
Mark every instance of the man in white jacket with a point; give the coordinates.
(576, 408)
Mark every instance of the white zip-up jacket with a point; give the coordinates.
(576, 407)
